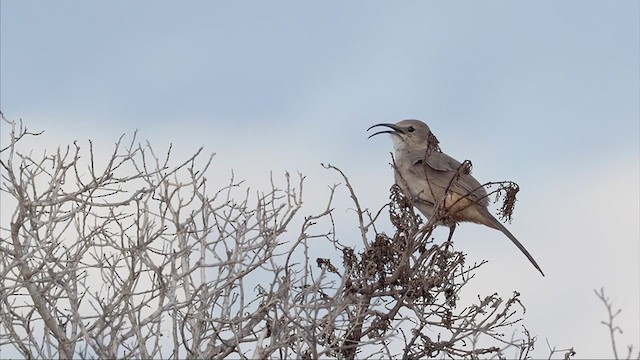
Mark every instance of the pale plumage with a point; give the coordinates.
(434, 180)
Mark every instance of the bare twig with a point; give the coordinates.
(613, 329)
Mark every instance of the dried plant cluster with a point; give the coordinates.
(138, 258)
(408, 277)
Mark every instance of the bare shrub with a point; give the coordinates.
(138, 258)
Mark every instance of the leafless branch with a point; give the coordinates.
(613, 329)
(136, 255)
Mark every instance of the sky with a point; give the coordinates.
(543, 93)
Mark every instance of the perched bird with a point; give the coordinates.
(434, 181)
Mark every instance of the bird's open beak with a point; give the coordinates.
(396, 130)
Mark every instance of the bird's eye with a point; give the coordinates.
(411, 129)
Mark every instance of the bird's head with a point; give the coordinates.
(410, 134)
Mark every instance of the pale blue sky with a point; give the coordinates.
(544, 93)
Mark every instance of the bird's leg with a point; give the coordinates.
(452, 228)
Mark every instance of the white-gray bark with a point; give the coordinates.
(137, 257)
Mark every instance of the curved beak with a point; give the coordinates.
(395, 130)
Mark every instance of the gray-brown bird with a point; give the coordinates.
(432, 180)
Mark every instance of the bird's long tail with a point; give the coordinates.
(494, 223)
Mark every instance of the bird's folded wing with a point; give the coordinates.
(435, 159)
(439, 169)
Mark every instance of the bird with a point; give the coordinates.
(434, 181)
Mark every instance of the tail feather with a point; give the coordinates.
(494, 223)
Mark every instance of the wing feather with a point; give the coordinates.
(440, 169)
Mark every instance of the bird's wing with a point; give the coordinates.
(435, 159)
(440, 168)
